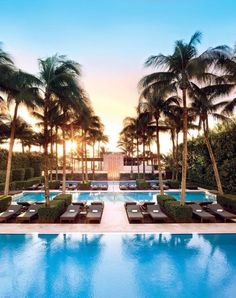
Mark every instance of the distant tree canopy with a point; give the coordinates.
(223, 140)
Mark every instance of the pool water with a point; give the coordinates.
(34, 196)
(118, 196)
(118, 265)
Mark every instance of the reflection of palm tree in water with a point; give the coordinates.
(69, 265)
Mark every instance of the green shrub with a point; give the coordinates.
(49, 214)
(174, 184)
(32, 181)
(142, 184)
(18, 174)
(2, 187)
(20, 185)
(162, 199)
(2, 176)
(5, 202)
(54, 184)
(84, 185)
(177, 212)
(64, 197)
(29, 173)
(228, 201)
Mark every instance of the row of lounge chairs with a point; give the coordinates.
(137, 212)
(133, 186)
(90, 213)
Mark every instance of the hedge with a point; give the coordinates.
(162, 199)
(12, 186)
(49, 214)
(84, 185)
(2, 176)
(177, 212)
(29, 173)
(174, 184)
(18, 174)
(173, 208)
(64, 197)
(228, 201)
(5, 202)
(54, 184)
(142, 184)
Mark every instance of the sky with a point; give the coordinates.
(111, 40)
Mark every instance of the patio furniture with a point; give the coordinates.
(156, 214)
(94, 213)
(11, 212)
(71, 213)
(132, 186)
(34, 187)
(200, 213)
(219, 211)
(29, 214)
(123, 186)
(134, 213)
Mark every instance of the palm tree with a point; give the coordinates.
(205, 103)
(157, 105)
(21, 89)
(179, 70)
(59, 78)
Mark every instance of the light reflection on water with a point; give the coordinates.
(118, 265)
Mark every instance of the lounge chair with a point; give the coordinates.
(219, 211)
(94, 213)
(72, 186)
(154, 186)
(200, 213)
(11, 212)
(132, 186)
(123, 187)
(34, 187)
(103, 186)
(71, 213)
(134, 213)
(155, 213)
(29, 214)
(94, 187)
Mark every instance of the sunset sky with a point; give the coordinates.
(111, 40)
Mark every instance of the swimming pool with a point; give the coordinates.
(118, 265)
(117, 196)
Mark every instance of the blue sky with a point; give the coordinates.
(111, 39)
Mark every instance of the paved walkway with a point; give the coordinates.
(114, 220)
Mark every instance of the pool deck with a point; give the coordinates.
(114, 220)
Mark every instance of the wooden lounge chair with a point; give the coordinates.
(72, 186)
(155, 213)
(28, 215)
(33, 187)
(154, 186)
(132, 186)
(134, 213)
(123, 187)
(71, 213)
(94, 187)
(11, 212)
(219, 211)
(200, 213)
(103, 186)
(94, 213)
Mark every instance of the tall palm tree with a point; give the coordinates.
(179, 70)
(20, 89)
(206, 103)
(157, 105)
(59, 78)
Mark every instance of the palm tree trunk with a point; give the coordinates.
(151, 157)
(93, 167)
(71, 150)
(82, 158)
(213, 160)
(173, 154)
(177, 156)
(159, 158)
(138, 159)
(132, 160)
(10, 152)
(143, 159)
(46, 186)
(56, 152)
(23, 147)
(64, 162)
(185, 149)
(86, 160)
(51, 153)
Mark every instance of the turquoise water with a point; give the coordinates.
(117, 196)
(118, 266)
(34, 196)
